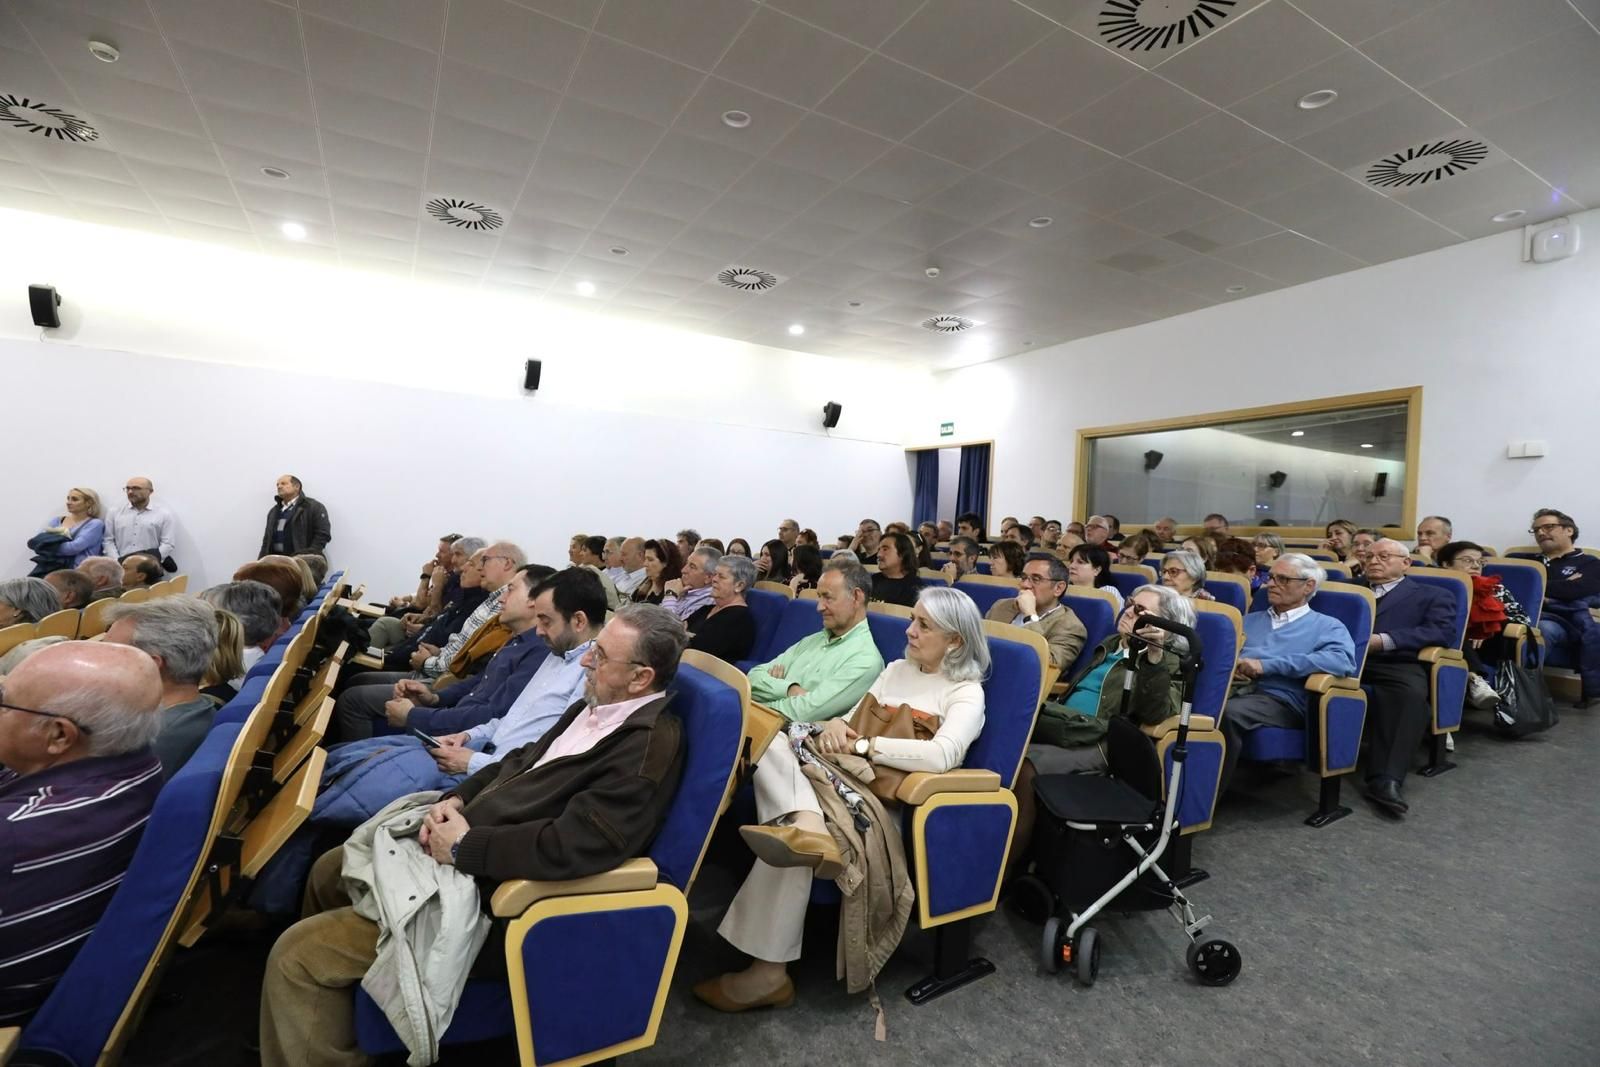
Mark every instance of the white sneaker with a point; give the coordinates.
(1449, 742)
(1480, 694)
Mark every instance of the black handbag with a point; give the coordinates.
(1525, 705)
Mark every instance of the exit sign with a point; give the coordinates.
(947, 429)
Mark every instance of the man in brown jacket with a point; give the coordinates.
(1038, 607)
(589, 794)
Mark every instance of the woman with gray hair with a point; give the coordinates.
(1185, 572)
(729, 631)
(26, 600)
(941, 680)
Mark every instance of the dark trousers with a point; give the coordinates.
(360, 707)
(1244, 713)
(1397, 716)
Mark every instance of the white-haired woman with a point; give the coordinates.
(729, 631)
(1185, 572)
(941, 679)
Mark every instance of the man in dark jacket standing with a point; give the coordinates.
(1411, 616)
(605, 777)
(296, 523)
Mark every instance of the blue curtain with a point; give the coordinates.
(972, 490)
(925, 495)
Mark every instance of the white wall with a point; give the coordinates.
(212, 371)
(1504, 351)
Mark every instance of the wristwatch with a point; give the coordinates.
(863, 746)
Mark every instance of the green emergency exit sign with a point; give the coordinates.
(947, 429)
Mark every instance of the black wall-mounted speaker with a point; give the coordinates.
(1276, 479)
(530, 375)
(1380, 483)
(43, 301)
(1152, 459)
(830, 414)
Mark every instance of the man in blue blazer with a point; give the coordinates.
(1411, 617)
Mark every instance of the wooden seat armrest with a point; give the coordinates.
(371, 611)
(10, 1037)
(516, 896)
(1170, 725)
(920, 785)
(1438, 654)
(366, 659)
(1321, 683)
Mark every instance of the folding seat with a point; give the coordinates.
(777, 588)
(92, 622)
(888, 623)
(590, 960)
(14, 635)
(1447, 667)
(135, 596)
(1336, 571)
(1153, 562)
(179, 583)
(1130, 576)
(799, 618)
(986, 590)
(1097, 610)
(1525, 580)
(766, 610)
(1221, 631)
(59, 624)
(1330, 741)
(1230, 589)
(931, 574)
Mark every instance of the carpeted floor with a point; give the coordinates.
(1464, 935)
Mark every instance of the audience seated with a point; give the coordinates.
(788, 533)
(77, 782)
(1411, 617)
(258, 608)
(1134, 548)
(1089, 566)
(613, 559)
(218, 684)
(928, 534)
(1266, 548)
(284, 578)
(1203, 545)
(180, 634)
(1492, 607)
(826, 673)
(75, 534)
(689, 595)
(865, 542)
(738, 546)
(445, 591)
(73, 588)
(317, 564)
(941, 681)
(1337, 537)
(26, 600)
(970, 524)
(897, 581)
(1021, 535)
(1215, 524)
(1097, 531)
(772, 563)
(1037, 607)
(1006, 559)
(308, 585)
(661, 565)
(1235, 555)
(608, 771)
(1050, 535)
(1433, 533)
(806, 566)
(963, 560)
(140, 572)
(1571, 589)
(728, 630)
(1360, 548)
(431, 584)
(686, 542)
(633, 572)
(590, 551)
(1165, 528)
(106, 574)
(1283, 646)
(946, 531)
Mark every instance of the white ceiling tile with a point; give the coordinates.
(681, 262)
(1361, 84)
(56, 157)
(254, 29)
(562, 205)
(511, 40)
(1095, 239)
(223, 236)
(111, 13)
(419, 23)
(866, 22)
(1262, 174)
(546, 232)
(1289, 258)
(578, 12)
(22, 176)
(147, 142)
(907, 175)
(770, 119)
(829, 149)
(982, 247)
(814, 236)
(691, 160)
(84, 189)
(715, 243)
(1061, 74)
(149, 105)
(182, 182)
(784, 188)
(313, 211)
(377, 223)
(495, 100)
(965, 41)
(29, 74)
(511, 255)
(244, 83)
(666, 197)
(373, 64)
(655, 281)
(1357, 20)
(435, 259)
(744, 218)
(690, 31)
(635, 82)
(39, 203)
(856, 209)
(374, 194)
(371, 159)
(448, 178)
(1265, 46)
(1048, 162)
(922, 229)
(888, 98)
(786, 262)
(1015, 223)
(1214, 142)
(597, 131)
(1491, 187)
(124, 218)
(285, 138)
(613, 273)
(974, 133)
(204, 212)
(788, 59)
(875, 253)
(1390, 127)
(1462, 33)
(1220, 231)
(632, 224)
(1144, 110)
(575, 172)
(375, 118)
(467, 142)
(1390, 233)
(1149, 256)
(1332, 196)
(1547, 68)
(987, 282)
(61, 40)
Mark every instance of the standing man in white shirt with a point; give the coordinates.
(140, 526)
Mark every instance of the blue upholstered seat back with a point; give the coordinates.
(713, 726)
(1351, 608)
(767, 610)
(985, 595)
(1525, 581)
(1010, 701)
(799, 619)
(1098, 617)
(1460, 593)
(1220, 643)
(1126, 583)
(1229, 593)
(889, 633)
(76, 1021)
(238, 709)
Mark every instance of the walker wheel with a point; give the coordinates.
(1054, 951)
(1030, 898)
(1086, 955)
(1214, 961)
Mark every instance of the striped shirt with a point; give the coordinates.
(67, 835)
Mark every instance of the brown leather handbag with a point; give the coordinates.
(872, 719)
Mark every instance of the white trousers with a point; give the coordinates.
(767, 918)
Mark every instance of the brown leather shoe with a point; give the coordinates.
(789, 846)
(711, 992)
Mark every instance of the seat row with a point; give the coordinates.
(73, 623)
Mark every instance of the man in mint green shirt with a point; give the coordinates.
(825, 675)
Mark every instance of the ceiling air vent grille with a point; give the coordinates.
(1155, 25)
(748, 279)
(36, 117)
(948, 324)
(465, 214)
(1424, 163)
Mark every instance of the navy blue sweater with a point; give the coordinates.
(1573, 576)
(476, 700)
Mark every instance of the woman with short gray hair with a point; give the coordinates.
(729, 631)
(1186, 572)
(26, 600)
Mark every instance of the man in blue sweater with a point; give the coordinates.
(1283, 646)
(1572, 588)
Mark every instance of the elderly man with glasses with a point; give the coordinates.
(1411, 617)
(1572, 589)
(77, 782)
(1038, 607)
(1283, 646)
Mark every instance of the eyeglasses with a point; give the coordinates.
(1036, 579)
(1173, 572)
(601, 659)
(486, 559)
(1284, 579)
(1389, 555)
(1470, 562)
(82, 729)
(1546, 527)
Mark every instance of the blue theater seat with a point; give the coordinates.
(1447, 667)
(1097, 611)
(766, 609)
(798, 618)
(1525, 580)
(888, 623)
(987, 590)
(1221, 635)
(1230, 589)
(1128, 577)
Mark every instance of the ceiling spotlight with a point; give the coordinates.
(855, 303)
(104, 51)
(1236, 288)
(293, 231)
(618, 250)
(736, 119)
(275, 172)
(1040, 222)
(1364, 444)
(1509, 216)
(1297, 433)
(585, 288)
(795, 329)
(1320, 98)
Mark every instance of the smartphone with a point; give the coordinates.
(428, 740)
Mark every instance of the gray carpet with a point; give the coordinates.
(1464, 935)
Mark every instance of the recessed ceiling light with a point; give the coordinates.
(1297, 433)
(1320, 98)
(1365, 445)
(105, 51)
(1040, 222)
(618, 250)
(293, 231)
(855, 303)
(1237, 288)
(737, 119)
(795, 329)
(275, 172)
(585, 288)
(1509, 216)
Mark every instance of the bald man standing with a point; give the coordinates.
(141, 526)
(78, 779)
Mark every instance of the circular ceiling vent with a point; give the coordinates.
(749, 279)
(465, 213)
(948, 324)
(1153, 25)
(49, 121)
(1425, 163)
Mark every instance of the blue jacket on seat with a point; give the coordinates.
(1414, 616)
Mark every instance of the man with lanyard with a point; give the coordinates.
(296, 523)
(1037, 607)
(140, 526)
(1572, 588)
